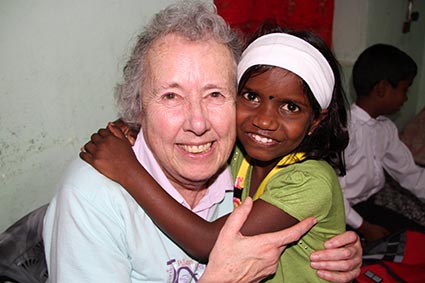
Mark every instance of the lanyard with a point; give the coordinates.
(243, 171)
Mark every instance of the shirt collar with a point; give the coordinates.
(216, 190)
(363, 116)
(360, 113)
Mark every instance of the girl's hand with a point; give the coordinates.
(341, 260)
(129, 133)
(109, 152)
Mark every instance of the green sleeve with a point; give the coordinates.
(302, 190)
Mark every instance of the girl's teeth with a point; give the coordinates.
(262, 139)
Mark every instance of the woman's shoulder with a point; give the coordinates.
(82, 181)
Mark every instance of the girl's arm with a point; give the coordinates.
(111, 154)
(114, 158)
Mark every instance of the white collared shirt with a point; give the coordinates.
(374, 147)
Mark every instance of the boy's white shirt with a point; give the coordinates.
(374, 146)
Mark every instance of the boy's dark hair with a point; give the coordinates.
(381, 62)
(330, 138)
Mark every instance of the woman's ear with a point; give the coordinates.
(316, 122)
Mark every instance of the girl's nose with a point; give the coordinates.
(265, 118)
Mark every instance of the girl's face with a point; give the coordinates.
(273, 115)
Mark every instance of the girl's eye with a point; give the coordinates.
(291, 107)
(251, 96)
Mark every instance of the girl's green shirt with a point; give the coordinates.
(307, 188)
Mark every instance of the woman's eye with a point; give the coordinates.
(215, 94)
(215, 98)
(291, 107)
(169, 95)
(171, 99)
(251, 96)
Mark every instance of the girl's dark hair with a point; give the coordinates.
(330, 138)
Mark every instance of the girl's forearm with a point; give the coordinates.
(194, 234)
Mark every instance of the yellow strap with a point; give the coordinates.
(286, 160)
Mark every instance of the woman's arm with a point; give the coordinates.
(237, 258)
(341, 259)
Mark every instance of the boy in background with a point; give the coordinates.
(382, 76)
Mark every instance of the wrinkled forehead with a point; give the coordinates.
(174, 57)
(175, 44)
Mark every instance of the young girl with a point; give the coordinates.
(291, 126)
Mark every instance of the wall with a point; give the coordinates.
(59, 61)
(359, 24)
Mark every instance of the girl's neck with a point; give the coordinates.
(259, 172)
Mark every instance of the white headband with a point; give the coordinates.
(295, 55)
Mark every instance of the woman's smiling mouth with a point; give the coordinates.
(196, 148)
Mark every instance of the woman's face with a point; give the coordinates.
(273, 114)
(189, 108)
